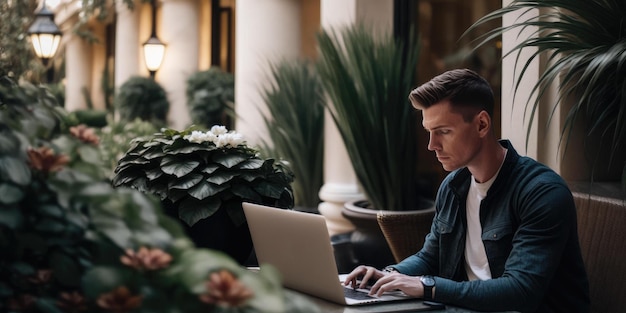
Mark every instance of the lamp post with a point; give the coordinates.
(45, 35)
(153, 48)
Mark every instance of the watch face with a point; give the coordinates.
(428, 281)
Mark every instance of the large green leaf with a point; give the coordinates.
(51, 210)
(205, 189)
(134, 160)
(185, 147)
(90, 154)
(153, 154)
(178, 168)
(153, 173)
(8, 142)
(165, 141)
(10, 194)
(10, 216)
(210, 168)
(251, 176)
(103, 279)
(220, 178)
(125, 177)
(191, 210)
(51, 226)
(246, 192)
(176, 195)
(186, 182)
(14, 170)
(231, 159)
(114, 229)
(251, 164)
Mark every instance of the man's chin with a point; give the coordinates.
(448, 167)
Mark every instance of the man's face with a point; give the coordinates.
(455, 141)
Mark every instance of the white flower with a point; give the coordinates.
(232, 139)
(219, 130)
(218, 135)
(197, 137)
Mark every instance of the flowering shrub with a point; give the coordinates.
(115, 140)
(202, 172)
(72, 243)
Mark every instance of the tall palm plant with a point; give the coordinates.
(295, 123)
(368, 81)
(585, 44)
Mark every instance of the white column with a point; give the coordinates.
(266, 31)
(97, 66)
(127, 43)
(77, 70)
(542, 142)
(340, 183)
(179, 32)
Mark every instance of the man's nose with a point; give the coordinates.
(432, 143)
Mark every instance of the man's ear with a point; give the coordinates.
(484, 123)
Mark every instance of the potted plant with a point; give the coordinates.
(585, 45)
(143, 98)
(368, 81)
(202, 177)
(295, 122)
(72, 243)
(210, 97)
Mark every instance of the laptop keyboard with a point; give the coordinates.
(355, 294)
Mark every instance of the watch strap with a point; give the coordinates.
(428, 288)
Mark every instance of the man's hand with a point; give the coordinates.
(410, 285)
(365, 274)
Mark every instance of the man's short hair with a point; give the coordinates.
(467, 92)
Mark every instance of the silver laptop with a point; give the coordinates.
(298, 245)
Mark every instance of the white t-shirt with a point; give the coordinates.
(476, 263)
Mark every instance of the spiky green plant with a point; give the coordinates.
(585, 44)
(368, 81)
(295, 123)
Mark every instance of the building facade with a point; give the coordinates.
(245, 36)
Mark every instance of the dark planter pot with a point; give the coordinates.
(368, 244)
(218, 232)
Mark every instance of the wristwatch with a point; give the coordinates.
(390, 269)
(429, 283)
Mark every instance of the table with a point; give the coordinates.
(396, 306)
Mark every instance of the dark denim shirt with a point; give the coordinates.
(529, 230)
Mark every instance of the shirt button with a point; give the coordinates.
(495, 236)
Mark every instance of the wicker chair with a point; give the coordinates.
(405, 231)
(602, 236)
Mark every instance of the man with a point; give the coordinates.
(504, 236)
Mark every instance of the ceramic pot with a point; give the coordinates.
(368, 244)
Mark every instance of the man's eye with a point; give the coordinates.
(443, 131)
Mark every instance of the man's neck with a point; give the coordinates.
(488, 161)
